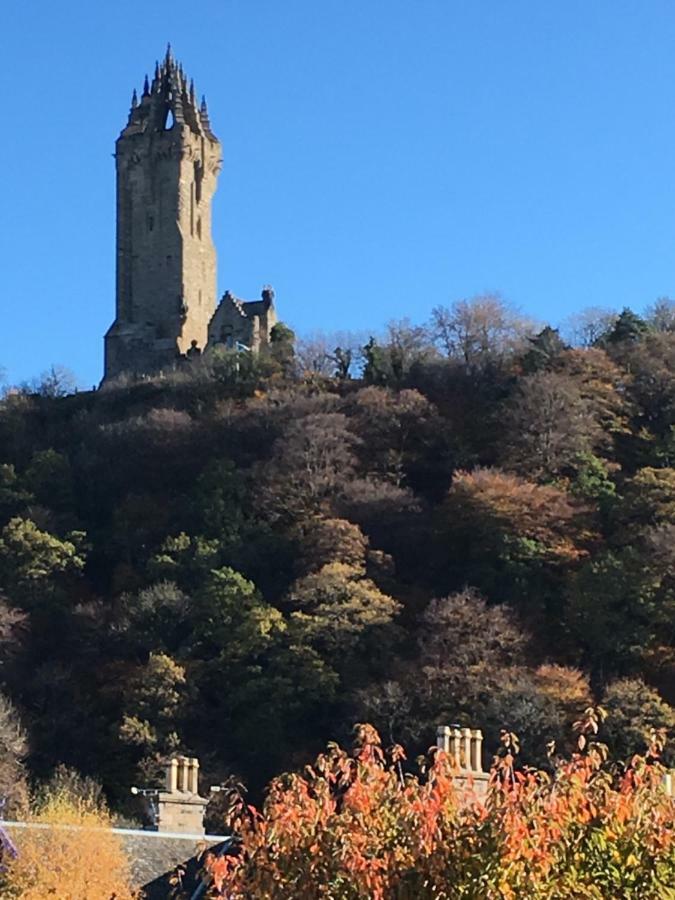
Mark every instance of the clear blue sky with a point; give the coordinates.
(380, 156)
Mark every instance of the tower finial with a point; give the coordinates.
(192, 91)
(168, 53)
(146, 87)
(134, 99)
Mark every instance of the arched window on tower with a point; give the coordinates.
(168, 119)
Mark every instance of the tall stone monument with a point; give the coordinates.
(167, 160)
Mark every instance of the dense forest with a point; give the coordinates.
(469, 521)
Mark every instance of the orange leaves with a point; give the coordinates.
(220, 869)
(492, 500)
(353, 827)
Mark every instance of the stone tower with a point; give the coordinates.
(168, 161)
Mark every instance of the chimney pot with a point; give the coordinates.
(193, 773)
(183, 774)
(466, 749)
(477, 751)
(172, 776)
(443, 738)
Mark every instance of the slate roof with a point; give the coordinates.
(154, 856)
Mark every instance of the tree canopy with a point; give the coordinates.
(470, 519)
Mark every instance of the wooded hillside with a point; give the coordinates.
(467, 522)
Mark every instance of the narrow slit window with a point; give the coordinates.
(199, 174)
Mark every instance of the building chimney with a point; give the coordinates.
(465, 747)
(180, 809)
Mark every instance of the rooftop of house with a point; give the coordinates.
(156, 858)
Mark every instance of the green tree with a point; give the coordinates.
(376, 368)
(185, 559)
(633, 710)
(282, 349)
(542, 350)
(231, 620)
(30, 558)
(650, 390)
(614, 611)
(334, 606)
(628, 328)
(14, 498)
(49, 478)
(649, 498)
(153, 699)
(156, 618)
(593, 482)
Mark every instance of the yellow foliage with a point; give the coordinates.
(70, 853)
(566, 686)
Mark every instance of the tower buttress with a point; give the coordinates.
(167, 160)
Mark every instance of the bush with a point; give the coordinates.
(633, 710)
(354, 826)
(76, 857)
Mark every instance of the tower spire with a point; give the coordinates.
(146, 87)
(204, 118)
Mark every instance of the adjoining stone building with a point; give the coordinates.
(242, 322)
(167, 161)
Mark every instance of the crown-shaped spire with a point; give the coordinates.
(168, 102)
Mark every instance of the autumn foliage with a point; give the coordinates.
(357, 826)
(469, 519)
(68, 852)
